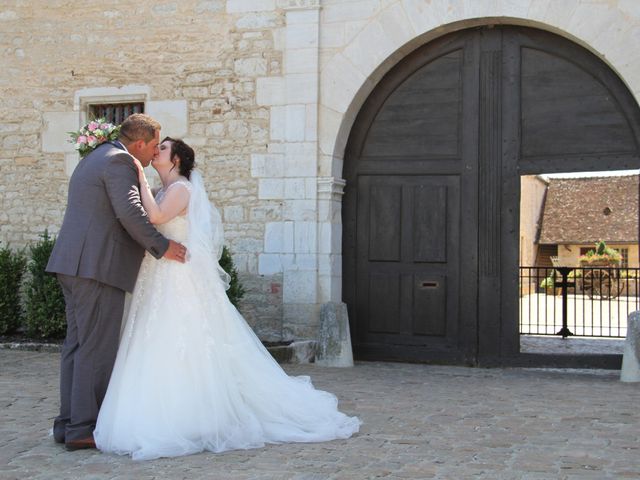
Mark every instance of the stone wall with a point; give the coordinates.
(532, 193)
(205, 54)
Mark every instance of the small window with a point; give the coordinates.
(115, 112)
(624, 253)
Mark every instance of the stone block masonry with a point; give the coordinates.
(196, 62)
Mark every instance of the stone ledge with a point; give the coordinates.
(31, 346)
(303, 351)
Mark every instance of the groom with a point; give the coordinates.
(99, 249)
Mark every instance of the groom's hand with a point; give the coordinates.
(176, 251)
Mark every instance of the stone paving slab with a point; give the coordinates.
(571, 345)
(420, 422)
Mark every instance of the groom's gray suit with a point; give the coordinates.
(97, 255)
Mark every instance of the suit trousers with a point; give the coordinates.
(94, 316)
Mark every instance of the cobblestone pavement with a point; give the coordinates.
(571, 345)
(420, 422)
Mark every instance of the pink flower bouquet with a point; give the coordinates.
(93, 134)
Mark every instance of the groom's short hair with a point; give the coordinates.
(138, 126)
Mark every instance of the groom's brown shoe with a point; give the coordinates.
(81, 444)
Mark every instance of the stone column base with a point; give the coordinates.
(631, 359)
(334, 340)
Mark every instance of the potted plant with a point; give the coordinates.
(601, 256)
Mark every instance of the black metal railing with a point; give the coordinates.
(589, 301)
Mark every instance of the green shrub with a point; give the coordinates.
(236, 290)
(45, 315)
(12, 266)
(548, 282)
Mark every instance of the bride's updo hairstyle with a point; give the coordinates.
(185, 154)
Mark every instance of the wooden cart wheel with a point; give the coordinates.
(597, 284)
(615, 285)
(601, 284)
(587, 283)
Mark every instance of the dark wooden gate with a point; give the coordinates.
(433, 165)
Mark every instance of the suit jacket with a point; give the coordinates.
(105, 230)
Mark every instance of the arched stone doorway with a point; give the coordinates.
(433, 165)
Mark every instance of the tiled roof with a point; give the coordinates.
(585, 210)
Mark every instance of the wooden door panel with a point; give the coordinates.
(422, 116)
(413, 291)
(383, 304)
(384, 222)
(429, 314)
(429, 216)
(566, 111)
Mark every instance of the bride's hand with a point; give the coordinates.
(138, 165)
(141, 175)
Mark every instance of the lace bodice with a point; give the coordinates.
(175, 229)
(178, 227)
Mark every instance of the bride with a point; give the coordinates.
(190, 374)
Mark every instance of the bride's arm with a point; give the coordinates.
(174, 202)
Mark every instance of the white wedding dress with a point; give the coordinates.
(191, 375)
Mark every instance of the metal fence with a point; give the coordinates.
(583, 301)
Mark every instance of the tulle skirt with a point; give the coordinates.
(191, 376)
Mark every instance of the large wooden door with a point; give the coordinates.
(411, 177)
(433, 162)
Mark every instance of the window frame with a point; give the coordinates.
(88, 101)
(91, 114)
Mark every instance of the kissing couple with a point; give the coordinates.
(183, 372)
